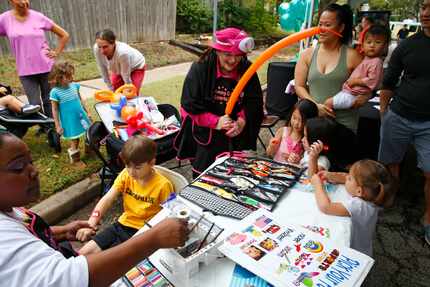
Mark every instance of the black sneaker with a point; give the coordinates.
(30, 109)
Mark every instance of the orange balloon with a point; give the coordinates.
(104, 96)
(267, 54)
(128, 111)
(128, 90)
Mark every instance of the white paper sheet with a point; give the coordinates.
(289, 255)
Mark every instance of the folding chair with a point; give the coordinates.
(178, 181)
(278, 104)
(96, 136)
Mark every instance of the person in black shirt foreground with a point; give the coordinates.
(406, 120)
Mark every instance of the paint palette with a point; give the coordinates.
(214, 203)
(145, 275)
(244, 184)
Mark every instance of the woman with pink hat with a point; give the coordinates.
(206, 130)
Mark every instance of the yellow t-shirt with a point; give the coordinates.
(141, 203)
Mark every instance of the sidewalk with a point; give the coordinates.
(88, 87)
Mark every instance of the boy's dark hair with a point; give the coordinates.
(59, 70)
(107, 35)
(375, 179)
(379, 30)
(344, 16)
(306, 108)
(137, 150)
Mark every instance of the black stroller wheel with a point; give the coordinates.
(54, 140)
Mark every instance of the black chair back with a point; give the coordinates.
(278, 103)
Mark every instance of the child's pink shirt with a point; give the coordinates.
(288, 146)
(370, 70)
(28, 42)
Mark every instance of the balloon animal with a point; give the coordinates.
(128, 90)
(267, 54)
(137, 122)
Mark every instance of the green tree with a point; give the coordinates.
(255, 16)
(192, 16)
(400, 9)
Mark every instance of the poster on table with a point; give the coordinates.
(289, 255)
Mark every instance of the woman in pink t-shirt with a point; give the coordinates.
(25, 29)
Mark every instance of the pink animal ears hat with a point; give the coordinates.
(234, 41)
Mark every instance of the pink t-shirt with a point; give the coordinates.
(370, 71)
(28, 42)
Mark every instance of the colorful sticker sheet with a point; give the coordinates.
(289, 255)
(145, 275)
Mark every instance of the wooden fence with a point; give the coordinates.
(131, 20)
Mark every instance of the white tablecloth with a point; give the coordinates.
(297, 206)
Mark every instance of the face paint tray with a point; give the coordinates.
(240, 185)
(180, 264)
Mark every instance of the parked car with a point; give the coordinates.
(395, 26)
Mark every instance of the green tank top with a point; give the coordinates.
(324, 86)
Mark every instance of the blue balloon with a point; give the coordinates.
(288, 23)
(292, 14)
(283, 8)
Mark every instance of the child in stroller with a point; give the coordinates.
(17, 117)
(12, 103)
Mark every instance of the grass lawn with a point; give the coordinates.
(55, 171)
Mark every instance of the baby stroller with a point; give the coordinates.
(165, 150)
(18, 124)
(97, 136)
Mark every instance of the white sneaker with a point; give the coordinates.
(30, 109)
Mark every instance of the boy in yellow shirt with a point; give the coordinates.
(142, 188)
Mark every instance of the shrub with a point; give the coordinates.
(195, 17)
(255, 20)
(192, 16)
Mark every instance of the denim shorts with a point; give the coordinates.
(397, 133)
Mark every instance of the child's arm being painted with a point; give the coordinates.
(323, 201)
(103, 206)
(84, 234)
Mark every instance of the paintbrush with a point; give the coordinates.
(204, 239)
(195, 224)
